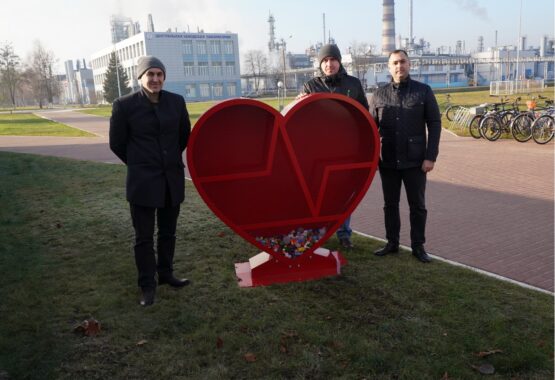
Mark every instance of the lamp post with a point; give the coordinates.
(281, 98)
(117, 70)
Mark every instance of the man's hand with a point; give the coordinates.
(427, 166)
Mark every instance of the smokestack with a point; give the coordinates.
(411, 37)
(388, 27)
(150, 27)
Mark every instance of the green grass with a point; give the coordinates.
(28, 124)
(66, 255)
(196, 109)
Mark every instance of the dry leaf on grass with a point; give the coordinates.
(89, 327)
(483, 354)
(142, 342)
(250, 357)
(219, 343)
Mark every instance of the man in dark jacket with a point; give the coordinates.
(333, 78)
(404, 109)
(149, 130)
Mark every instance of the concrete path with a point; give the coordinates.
(490, 205)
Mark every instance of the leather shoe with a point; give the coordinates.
(389, 248)
(174, 282)
(147, 297)
(346, 243)
(421, 255)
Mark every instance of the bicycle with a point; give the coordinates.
(451, 109)
(522, 124)
(542, 128)
(498, 120)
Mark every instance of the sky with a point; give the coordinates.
(75, 29)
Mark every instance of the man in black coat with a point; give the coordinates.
(404, 110)
(149, 130)
(334, 79)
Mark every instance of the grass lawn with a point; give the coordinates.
(31, 125)
(66, 255)
(196, 109)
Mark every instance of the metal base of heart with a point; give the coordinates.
(264, 269)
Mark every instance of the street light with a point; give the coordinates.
(281, 98)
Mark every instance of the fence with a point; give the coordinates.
(510, 87)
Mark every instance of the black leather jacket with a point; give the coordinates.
(403, 113)
(340, 83)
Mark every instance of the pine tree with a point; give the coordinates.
(111, 81)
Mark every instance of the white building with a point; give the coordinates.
(199, 66)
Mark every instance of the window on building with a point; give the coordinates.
(230, 68)
(189, 69)
(203, 69)
(216, 68)
(204, 90)
(142, 48)
(201, 47)
(190, 91)
(215, 47)
(188, 47)
(228, 47)
(218, 89)
(231, 89)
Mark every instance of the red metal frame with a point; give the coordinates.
(265, 174)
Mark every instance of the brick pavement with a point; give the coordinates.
(490, 205)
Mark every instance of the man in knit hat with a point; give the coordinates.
(149, 130)
(333, 78)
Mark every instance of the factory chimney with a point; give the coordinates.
(388, 27)
(150, 24)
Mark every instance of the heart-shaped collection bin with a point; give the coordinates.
(284, 183)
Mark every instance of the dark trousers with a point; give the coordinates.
(414, 180)
(145, 259)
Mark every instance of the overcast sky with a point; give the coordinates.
(74, 29)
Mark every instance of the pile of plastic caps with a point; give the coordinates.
(295, 243)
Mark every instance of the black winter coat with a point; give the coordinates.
(150, 139)
(403, 114)
(340, 83)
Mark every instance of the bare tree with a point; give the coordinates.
(9, 71)
(361, 53)
(257, 66)
(42, 62)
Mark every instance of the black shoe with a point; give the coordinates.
(421, 255)
(172, 281)
(346, 243)
(389, 248)
(147, 297)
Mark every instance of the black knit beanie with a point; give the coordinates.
(148, 62)
(329, 50)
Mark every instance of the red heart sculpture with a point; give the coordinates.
(267, 175)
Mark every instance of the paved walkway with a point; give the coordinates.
(490, 205)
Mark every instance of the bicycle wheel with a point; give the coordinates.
(474, 127)
(542, 129)
(490, 128)
(451, 111)
(522, 127)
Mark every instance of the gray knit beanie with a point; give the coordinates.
(148, 62)
(329, 50)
